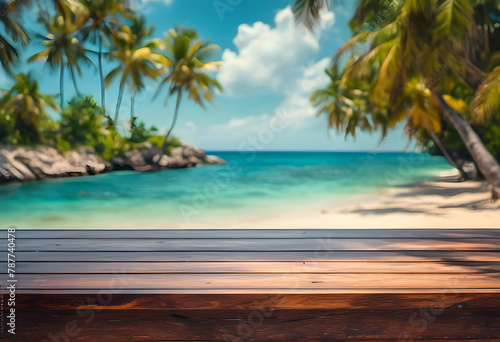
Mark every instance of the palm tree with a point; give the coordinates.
(346, 110)
(424, 36)
(26, 105)
(137, 60)
(190, 59)
(97, 14)
(64, 49)
(13, 29)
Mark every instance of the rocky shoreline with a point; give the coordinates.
(27, 164)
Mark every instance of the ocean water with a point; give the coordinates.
(249, 186)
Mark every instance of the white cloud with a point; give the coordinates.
(280, 60)
(270, 58)
(166, 2)
(191, 125)
(292, 112)
(138, 4)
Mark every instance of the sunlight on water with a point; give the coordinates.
(210, 196)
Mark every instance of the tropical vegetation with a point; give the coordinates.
(432, 64)
(76, 33)
(190, 60)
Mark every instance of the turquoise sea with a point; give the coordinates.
(249, 186)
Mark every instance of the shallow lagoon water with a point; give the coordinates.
(249, 186)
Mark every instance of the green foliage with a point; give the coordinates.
(172, 142)
(140, 133)
(137, 59)
(24, 120)
(6, 127)
(179, 59)
(453, 142)
(407, 53)
(190, 59)
(82, 124)
(12, 32)
(64, 49)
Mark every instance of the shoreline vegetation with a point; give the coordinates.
(42, 138)
(26, 164)
(433, 66)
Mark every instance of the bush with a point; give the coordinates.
(140, 133)
(172, 142)
(81, 124)
(6, 128)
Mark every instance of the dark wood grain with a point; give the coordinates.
(296, 285)
(267, 325)
(247, 301)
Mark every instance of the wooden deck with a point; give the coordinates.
(256, 285)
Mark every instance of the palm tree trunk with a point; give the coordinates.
(73, 77)
(61, 87)
(448, 157)
(174, 121)
(132, 111)
(485, 161)
(119, 102)
(101, 75)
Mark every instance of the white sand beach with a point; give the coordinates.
(442, 203)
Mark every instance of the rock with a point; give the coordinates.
(22, 164)
(139, 159)
(214, 160)
(195, 156)
(177, 152)
(87, 157)
(149, 151)
(181, 157)
(168, 162)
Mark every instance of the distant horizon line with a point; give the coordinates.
(308, 151)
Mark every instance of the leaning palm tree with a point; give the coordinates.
(97, 15)
(12, 27)
(64, 49)
(424, 36)
(191, 63)
(26, 104)
(137, 61)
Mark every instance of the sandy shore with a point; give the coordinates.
(442, 203)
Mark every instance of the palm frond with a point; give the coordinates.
(453, 19)
(486, 102)
(308, 12)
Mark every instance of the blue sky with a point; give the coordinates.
(270, 69)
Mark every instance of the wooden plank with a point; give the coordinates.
(265, 325)
(311, 291)
(327, 267)
(66, 245)
(212, 256)
(280, 301)
(223, 282)
(256, 233)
